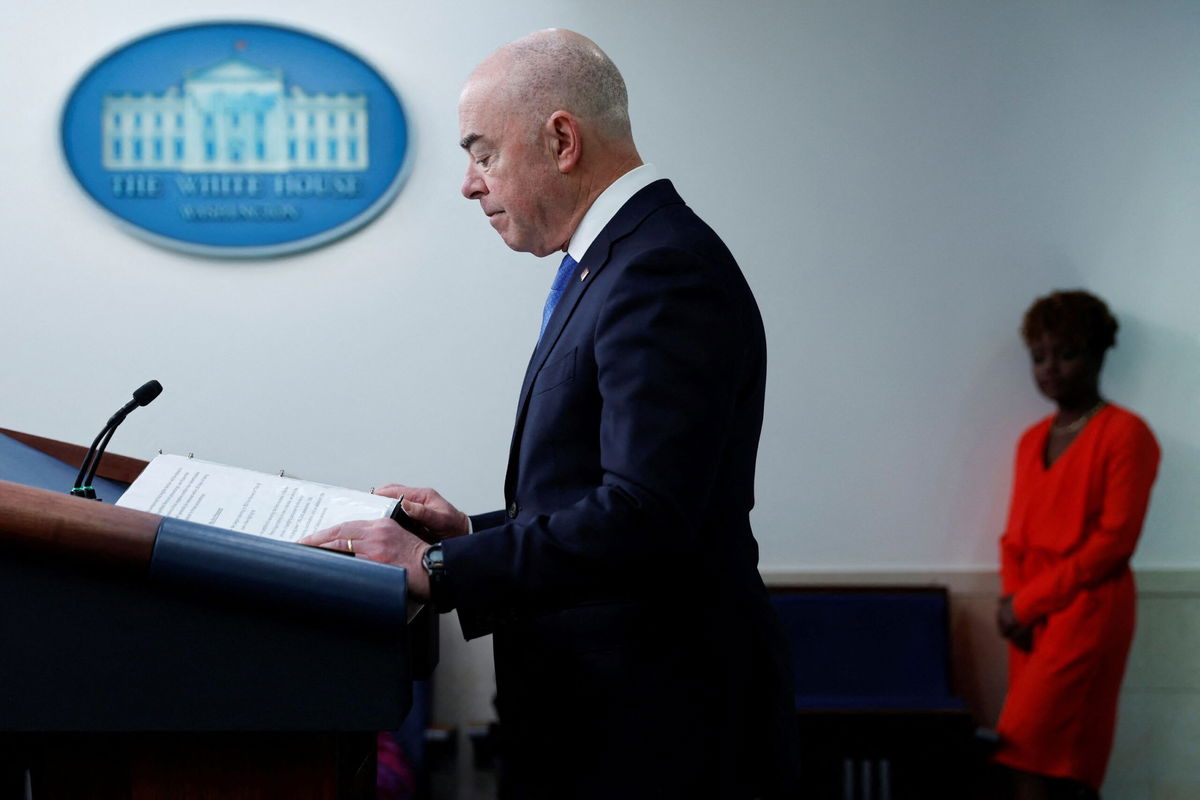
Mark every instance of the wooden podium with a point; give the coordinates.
(145, 657)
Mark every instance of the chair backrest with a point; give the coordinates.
(868, 647)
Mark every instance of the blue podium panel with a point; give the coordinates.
(89, 650)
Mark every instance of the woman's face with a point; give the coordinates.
(1063, 371)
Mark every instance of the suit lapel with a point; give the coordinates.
(625, 222)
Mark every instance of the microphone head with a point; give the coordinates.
(146, 393)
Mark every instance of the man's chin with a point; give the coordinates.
(518, 245)
(523, 246)
(513, 245)
(497, 221)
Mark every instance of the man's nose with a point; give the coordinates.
(473, 186)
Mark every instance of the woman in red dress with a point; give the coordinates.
(1081, 487)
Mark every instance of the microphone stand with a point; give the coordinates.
(91, 462)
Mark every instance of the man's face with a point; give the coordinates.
(511, 172)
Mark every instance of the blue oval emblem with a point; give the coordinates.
(236, 139)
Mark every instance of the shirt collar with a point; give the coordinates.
(606, 207)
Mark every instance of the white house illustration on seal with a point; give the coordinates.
(234, 117)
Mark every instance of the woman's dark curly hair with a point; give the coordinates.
(1074, 316)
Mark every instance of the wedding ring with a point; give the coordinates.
(350, 545)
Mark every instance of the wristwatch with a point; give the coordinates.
(434, 563)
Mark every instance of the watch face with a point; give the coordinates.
(432, 560)
(435, 564)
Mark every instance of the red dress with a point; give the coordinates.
(1072, 528)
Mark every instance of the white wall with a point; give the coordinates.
(898, 180)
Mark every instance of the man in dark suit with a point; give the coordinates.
(636, 651)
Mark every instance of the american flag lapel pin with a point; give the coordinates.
(583, 275)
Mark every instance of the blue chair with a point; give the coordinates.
(876, 709)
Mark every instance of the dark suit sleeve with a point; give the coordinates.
(649, 435)
(488, 519)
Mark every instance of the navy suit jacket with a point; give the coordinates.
(632, 631)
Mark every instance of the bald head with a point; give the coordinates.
(557, 69)
(545, 124)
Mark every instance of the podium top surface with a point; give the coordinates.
(27, 465)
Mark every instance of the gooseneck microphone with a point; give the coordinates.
(142, 396)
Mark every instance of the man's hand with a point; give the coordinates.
(427, 507)
(379, 540)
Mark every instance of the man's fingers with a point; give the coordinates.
(322, 536)
(335, 537)
(418, 511)
(431, 517)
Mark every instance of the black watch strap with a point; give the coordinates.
(434, 562)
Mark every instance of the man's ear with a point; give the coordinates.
(565, 141)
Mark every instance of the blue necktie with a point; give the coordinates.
(556, 290)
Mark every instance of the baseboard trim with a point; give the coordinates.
(964, 580)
